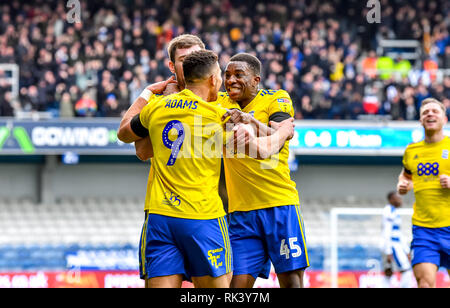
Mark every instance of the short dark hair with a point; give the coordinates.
(181, 42)
(198, 65)
(252, 61)
(390, 195)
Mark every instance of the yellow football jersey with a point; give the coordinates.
(187, 139)
(256, 184)
(155, 98)
(426, 162)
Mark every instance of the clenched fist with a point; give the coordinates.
(403, 187)
(445, 181)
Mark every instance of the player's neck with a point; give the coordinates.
(434, 136)
(201, 91)
(244, 102)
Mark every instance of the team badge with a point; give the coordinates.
(445, 154)
(171, 199)
(285, 104)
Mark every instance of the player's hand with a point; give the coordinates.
(159, 87)
(237, 116)
(389, 258)
(403, 187)
(445, 181)
(286, 125)
(243, 133)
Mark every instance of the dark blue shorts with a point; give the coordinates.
(273, 235)
(190, 247)
(431, 245)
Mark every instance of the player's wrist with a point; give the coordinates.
(146, 94)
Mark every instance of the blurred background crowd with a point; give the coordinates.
(324, 53)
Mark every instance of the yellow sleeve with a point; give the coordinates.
(144, 115)
(281, 102)
(405, 160)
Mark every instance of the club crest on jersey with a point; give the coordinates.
(171, 199)
(445, 154)
(252, 113)
(285, 104)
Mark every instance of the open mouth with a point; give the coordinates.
(234, 90)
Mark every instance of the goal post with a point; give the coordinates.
(337, 213)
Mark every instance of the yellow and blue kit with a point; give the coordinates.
(425, 162)
(185, 212)
(266, 224)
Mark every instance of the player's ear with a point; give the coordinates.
(257, 80)
(172, 67)
(212, 80)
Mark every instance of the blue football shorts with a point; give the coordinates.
(274, 235)
(431, 245)
(190, 247)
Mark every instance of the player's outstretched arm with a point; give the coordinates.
(263, 147)
(125, 132)
(405, 183)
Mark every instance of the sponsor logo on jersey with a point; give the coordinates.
(285, 104)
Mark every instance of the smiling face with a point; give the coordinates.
(432, 117)
(241, 83)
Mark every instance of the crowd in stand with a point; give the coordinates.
(322, 52)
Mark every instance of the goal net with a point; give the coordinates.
(355, 245)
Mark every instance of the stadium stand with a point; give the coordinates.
(333, 62)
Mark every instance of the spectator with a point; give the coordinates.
(421, 94)
(396, 108)
(410, 109)
(112, 107)
(6, 109)
(306, 110)
(66, 107)
(337, 104)
(86, 106)
(371, 100)
(447, 105)
(355, 107)
(300, 43)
